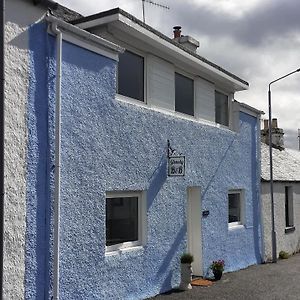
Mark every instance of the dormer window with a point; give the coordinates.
(221, 109)
(131, 75)
(184, 94)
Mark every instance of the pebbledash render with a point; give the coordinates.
(131, 102)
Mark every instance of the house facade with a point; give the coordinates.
(286, 191)
(132, 151)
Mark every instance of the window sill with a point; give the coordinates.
(124, 250)
(235, 226)
(289, 229)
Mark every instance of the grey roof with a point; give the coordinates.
(59, 11)
(286, 164)
(159, 34)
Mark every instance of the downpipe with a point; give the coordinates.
(56, 236)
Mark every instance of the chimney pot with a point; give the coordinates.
(266, 124)
(177, 31)
(274, 123)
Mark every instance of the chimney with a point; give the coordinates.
(177, 31)
(277, 134)
(185, 40)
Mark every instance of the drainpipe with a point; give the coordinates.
(2, 98)
(56, 237)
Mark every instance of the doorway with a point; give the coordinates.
(194, 228)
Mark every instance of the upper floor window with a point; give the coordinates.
(184, 94)
(221, 108)
(131, 75)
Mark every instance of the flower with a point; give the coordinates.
(218, 265)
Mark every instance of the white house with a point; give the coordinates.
(286, 177)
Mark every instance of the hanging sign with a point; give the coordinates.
(176, 166)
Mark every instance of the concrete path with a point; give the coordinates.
(280, 281)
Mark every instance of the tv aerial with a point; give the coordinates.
(153, 3)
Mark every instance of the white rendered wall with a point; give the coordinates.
(289, 242)
(18, 15)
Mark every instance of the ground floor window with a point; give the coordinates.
(235, 207)
(124, 220)
(289, 210)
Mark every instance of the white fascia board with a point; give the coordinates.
(250, 110)
(123, 23)
(86, 39)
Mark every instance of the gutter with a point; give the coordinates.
(2, 99)
(64, 26)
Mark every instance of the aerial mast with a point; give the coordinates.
(153, 3)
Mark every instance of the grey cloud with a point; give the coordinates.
(266, 20)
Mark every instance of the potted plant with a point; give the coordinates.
(186, 260)
(217, 268)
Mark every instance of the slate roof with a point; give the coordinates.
(59, 11)
(286, 164)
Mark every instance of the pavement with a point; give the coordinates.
(271, 281)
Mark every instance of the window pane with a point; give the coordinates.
(221, 102)
(289, 220)
(184, 94)
(121, 220)
(234, 211)
(131, 75)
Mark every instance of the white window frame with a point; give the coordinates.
(126, 98)
(241, 222)
(141, 195)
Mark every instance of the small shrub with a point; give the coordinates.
(218, 265)
(186, 258)
(283, 255)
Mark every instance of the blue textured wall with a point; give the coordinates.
(108, 145)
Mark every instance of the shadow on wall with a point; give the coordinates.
(219, 166)
(255, 192)
(157, 179)
(37, 274)
(170, 255)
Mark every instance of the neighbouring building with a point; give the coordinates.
(286, 193)
(124, 149)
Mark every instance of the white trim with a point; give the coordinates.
(250, 110)
(241, 223)
(86, 45)
(88, 37)
(142, 221)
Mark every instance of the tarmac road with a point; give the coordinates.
(273, 281)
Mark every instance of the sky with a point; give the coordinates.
(257, 40)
